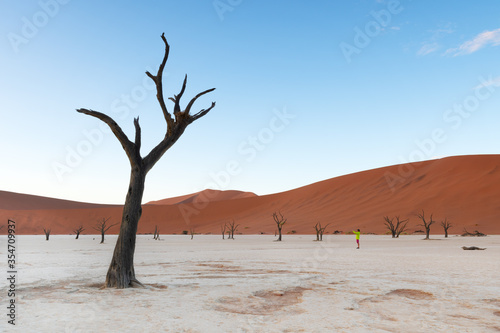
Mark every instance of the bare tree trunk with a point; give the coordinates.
(47, 233)
(156, 235)
(280, 220)
(320, 231)
(121, 272)
(426, 223)
(78, 231)
(446, 225)
(223, 230)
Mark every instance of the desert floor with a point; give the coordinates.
(254, 284)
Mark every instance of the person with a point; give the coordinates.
(357, 233)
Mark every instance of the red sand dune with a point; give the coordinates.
(204, 196)
(464, 189)
(18, 201)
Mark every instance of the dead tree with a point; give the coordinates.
(320, 231)
(474, 234)
(446, 225)
(47, 233)
(191, 232)
(232, 227)
(78, 231)
(279, 223)
(426, 223)
(156, 235)
(223, 229)
(102, 227)
(395, 229)
(121, 273)
(473, 248)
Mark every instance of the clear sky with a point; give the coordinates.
(306, 90)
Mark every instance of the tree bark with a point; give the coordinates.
(121, 272)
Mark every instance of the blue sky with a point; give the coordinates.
(306, 91)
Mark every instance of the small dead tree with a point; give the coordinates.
(102, 227)
(47, 233)
(191, 232)
(78, 231)
(446, 225)
(395, 229)
(320, 231)
(156, 234)
(426, 223)
(232, 227)
(473, 234)
(223, 229)
(280, 220)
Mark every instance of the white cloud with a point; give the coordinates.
(433, 43)
(427, 48)
(490, 82)
(483, 39)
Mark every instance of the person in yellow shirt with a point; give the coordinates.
(357, 233)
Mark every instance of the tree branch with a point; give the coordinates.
(177, 98)
(190, 104)
(159, 86)
(137, 136)
(110, 227)
(201, 113)
(127, 145)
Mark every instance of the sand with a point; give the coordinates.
(462, 189)
(253, 284)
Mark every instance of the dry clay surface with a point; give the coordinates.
(254, 284)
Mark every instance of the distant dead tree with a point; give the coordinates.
(223, 229)
(320, 231)
(446, 225)
(102, 227)
(156, 234)
(47, 233)
(395, 229)
(426, 223)
(473, 248)
(473, 234)
(121, 273)
(78, 231)
(231, 227)
(280, 220)
(192, 232)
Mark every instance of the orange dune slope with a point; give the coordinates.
(463, 189)
(204, 196)
(18, 201)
